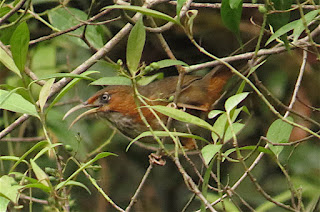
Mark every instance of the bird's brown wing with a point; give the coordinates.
(201, 94)
(165, 88)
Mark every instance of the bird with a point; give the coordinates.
(117, 103)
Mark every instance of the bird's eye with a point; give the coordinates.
(104, 98)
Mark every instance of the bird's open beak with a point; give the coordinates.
(78, 107)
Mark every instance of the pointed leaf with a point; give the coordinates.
(45, 92)
(219, 127)
(169, 62)
(4, 202)
(180, 4)
(84, 166)
(235, 3)
(112, 81)
(8, 188)
(165, 134)
(279, 19)
(8, 62)
(279, 132)
(283, 30)
(299, 27)
(19, 43)
(182, 116)
(40, 174)
(136, 41)
(65, 18)
(36, 146)
(259, 149)
(69, 86)
(145, 11)
(231, 11)
(145, 80)
(16, 103)
(38, 185)
(209, 151)
(233, 101)
(73, 183)
(60, 75)
(212, 114)
(237, 127)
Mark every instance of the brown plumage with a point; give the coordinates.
(117, 104)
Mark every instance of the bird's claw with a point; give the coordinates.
(156, 159)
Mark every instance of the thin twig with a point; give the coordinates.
(13, 11)
(244, 5)
(191, 184)
(41, 201)
(279, 103)
(298, 83)
(142, 183)
(34, 77)
(14, 125)
(82, 23)
(30, 139)
(290, 143)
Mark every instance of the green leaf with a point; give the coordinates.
(279, 19)
(60, 75)
(165, 134)
(65, 18)
(16, 103)
(112, 81)
(23, 176)
(38, 185)
(84, 166)
(233, 101)
(69, 86)
(45, 92)
(40, 174)
(145, 80)
(219, 127)
(36, 146)
(145, 11)
(234, 4)
(282, 197)
(8, 62)
(44, 59)
(221, 124)
(279, 132)
(182, 116)
(237, 127)
(212, 114)
(45, 149)
(9, 189)
(283, 30)
(254, 68)
(19, 43)
(4, 202)
(209, 151)
(169, 62)
(231, 11)
(12, 158)
(74, 183)
(259, 148)
(205, 183)
(180, 4)
(299, 27)
(136, 41)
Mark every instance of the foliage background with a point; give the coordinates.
(165, 188)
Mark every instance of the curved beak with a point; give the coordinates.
(78, 107)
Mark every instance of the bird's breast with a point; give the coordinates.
(127, 125)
